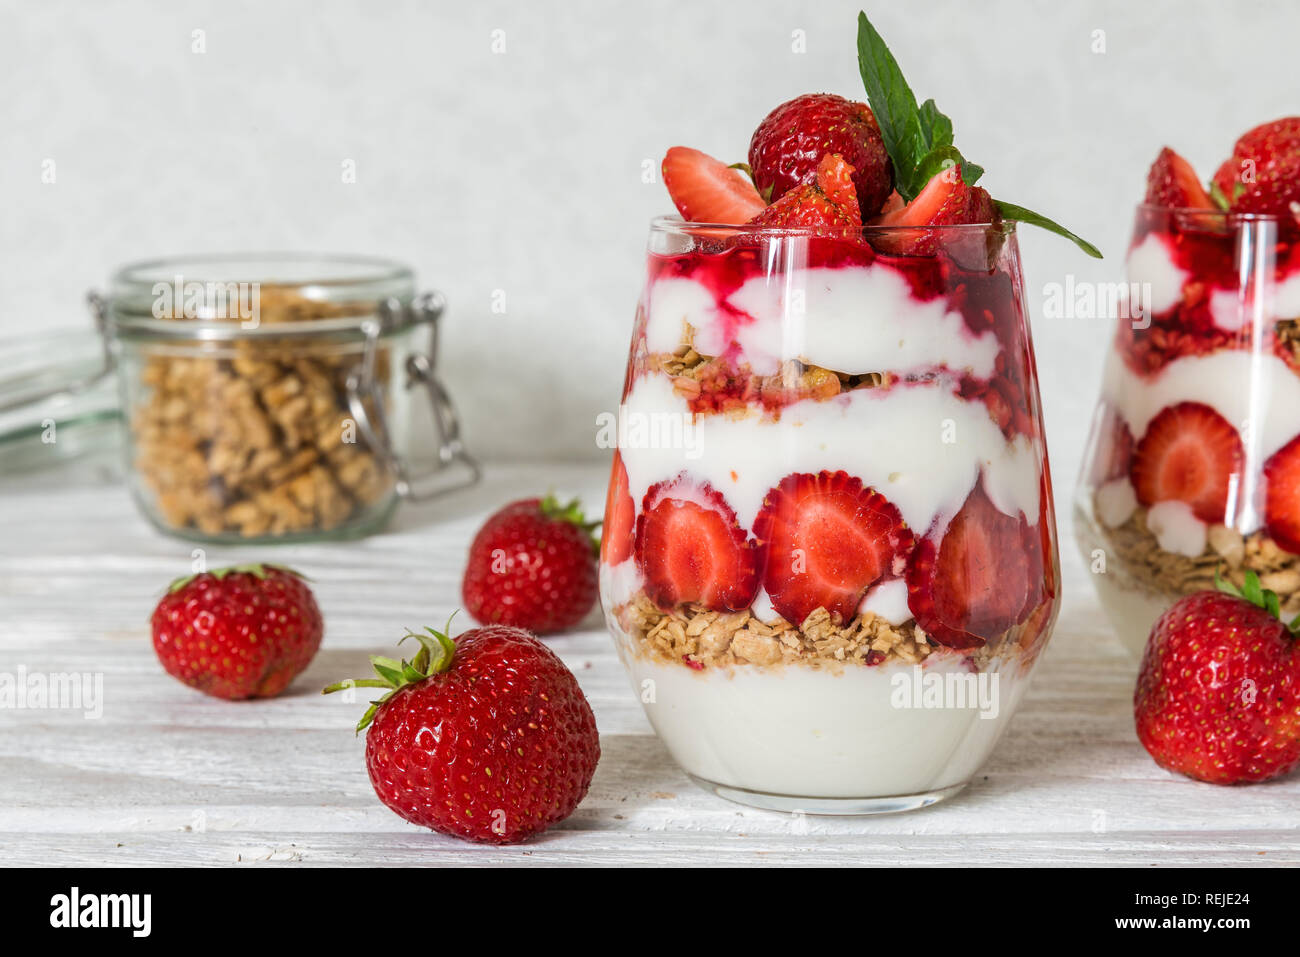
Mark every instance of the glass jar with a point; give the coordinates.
(266, 397)
(829, 560)
(1193, 463)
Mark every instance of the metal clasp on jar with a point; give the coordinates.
(367, 407)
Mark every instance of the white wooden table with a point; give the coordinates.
(169, 776)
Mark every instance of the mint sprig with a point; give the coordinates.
(919, 139)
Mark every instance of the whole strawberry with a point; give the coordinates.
(790, 142)
(1218, 695)
(487, 738)
(240, 632)
(532, 565)
(1263, 173)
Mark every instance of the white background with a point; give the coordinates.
(522, 172)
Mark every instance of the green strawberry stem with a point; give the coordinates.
(919, 139)
(572, 513)
(256, 569)
(1252, 591)
(437, 651)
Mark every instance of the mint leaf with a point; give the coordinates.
(937, 126)
(891, 99)
(1022, 215)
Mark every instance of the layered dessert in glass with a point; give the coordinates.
(829, 551)
(1193, 468)
(834, 491)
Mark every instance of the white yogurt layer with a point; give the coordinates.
(888, 600)
(920, 446)
(1152, 266)
(1177, 529)
(854, 321)
(619, 583)
(1257, 393)
(864, 732)
(1116, 502)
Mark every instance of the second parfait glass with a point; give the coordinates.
(1193, 468)
(829, 560)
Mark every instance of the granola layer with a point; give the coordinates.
(1227, 551)
(701, 638)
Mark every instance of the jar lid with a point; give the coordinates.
(55, 402)
(247, 295)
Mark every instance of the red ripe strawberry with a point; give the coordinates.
(706, 190)
(1263, 173)
(691, 549)
(1189, 454)
(825, 207)
(1282, 496)
(241, 632)
(1218, 694)
(532, 565)
(487, 738)
(980, 579)
(620, 516)
(824, 540)
(944, 201)
(789, 145)
(1172, 182)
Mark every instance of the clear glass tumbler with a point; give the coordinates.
(1193, 466)
(829, 559)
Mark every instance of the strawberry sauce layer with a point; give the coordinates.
(1201, 265)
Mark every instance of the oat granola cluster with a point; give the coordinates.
(1227, 551)
(254, 437)
(702, 379)
(701, 638)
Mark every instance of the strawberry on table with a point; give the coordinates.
(1172, 181)
(787, 148)
(1282, 496)
(691, 549)
(825, 539)
(825, 207)
(532, 565)
(487, 737)
(980, 578)
(239, 632)
(1218, 694)
(1189, 454)
(706, 190)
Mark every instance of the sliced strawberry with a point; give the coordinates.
(706, 190)
(620, 514)
(1172, 182)
(1282, 499)
(828, 206)
(978, 579)
(824, 540)
(944, 201)
(1189, 454)
(691, 549)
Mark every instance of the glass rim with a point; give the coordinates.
(1202, 211)
(354, 270)
(339, 279)
(674, 223)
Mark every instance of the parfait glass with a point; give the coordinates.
(829, 560)
(1192, 465)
